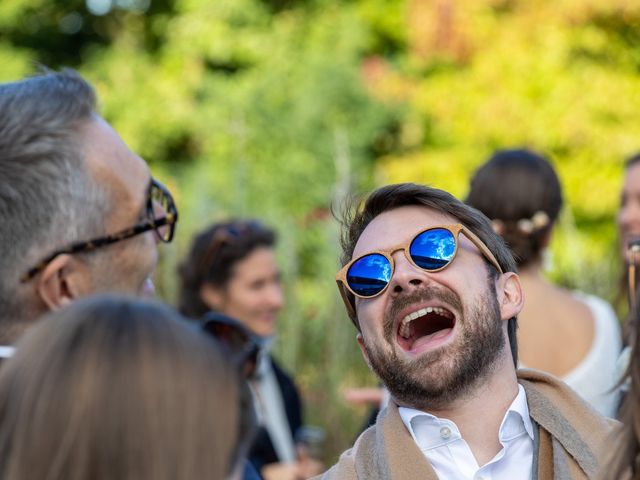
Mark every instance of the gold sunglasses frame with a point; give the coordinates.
(455, 229)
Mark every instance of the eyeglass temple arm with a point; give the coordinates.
(483, 248)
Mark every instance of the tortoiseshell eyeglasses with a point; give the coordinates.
(161, 216)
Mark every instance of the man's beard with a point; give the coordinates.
(437, 378)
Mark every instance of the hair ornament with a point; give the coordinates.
(529, 225)
(498, 226)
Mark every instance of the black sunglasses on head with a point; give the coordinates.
(235, 338)
(227, 235)
(161, 216)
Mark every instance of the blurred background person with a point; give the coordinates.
(231, 268)
(628, 220)
(572, 335)
(624, 459)
(119, 388)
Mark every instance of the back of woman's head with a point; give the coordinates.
(520, 192)
(117, 388)
(214, 253)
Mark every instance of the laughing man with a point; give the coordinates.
(432, 291)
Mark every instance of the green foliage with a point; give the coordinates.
(278, 109)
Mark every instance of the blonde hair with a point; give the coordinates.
(117, 388)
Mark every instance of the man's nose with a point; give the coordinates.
(276, 297)
(406, 276)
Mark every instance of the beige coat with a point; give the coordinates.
(568, 439)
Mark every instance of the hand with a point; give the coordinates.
(281, 471)
(366, 396)
(304, 468)
(308, 466)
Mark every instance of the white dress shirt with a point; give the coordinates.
(7, 351)
(270, 408)
(440, 441)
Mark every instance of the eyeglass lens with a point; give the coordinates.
(160, 205)
(430, 250)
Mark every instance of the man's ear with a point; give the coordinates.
(365, 354)
(63, 280)
(213, 297)
(510, 295)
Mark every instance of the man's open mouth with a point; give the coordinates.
(423, 325)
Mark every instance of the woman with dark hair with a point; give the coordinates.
(569, 334)
(119, 388)
(231, 269)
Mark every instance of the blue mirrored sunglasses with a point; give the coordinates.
(432, 250)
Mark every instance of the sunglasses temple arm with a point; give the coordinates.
(345, 298)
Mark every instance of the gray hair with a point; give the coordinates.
(47, 198)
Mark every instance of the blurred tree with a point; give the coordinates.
(280, 108)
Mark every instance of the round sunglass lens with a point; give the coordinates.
(369, 275)
(433, 249)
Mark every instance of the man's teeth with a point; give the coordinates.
(405, 329)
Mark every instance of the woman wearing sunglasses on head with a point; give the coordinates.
(231, 269)
(569, 334)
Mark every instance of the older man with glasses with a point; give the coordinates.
(80, 212)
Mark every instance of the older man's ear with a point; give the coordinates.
(510, 295)
(63, 280)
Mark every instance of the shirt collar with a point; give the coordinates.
(429, 431)
(7, 351)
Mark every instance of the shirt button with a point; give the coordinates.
(445, 433)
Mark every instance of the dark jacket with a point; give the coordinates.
(262, 451)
